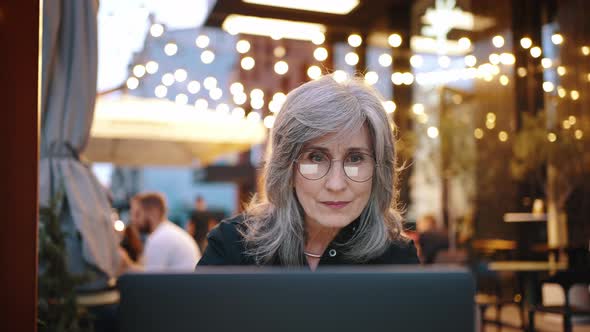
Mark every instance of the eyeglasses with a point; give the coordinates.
(314, 165)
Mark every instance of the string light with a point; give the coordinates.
(314, 72)
(151, 67)
(279, 97)
(494, 58)
(371, 77)
(385, 60)
(257, 103)
(256, 94)
(181, 99)
(444, 61)
(526, 42)
(210, 82)
(281, 67)
(478, 133)
(236, 88)
(156, 30)
(574, 94)
(585, 50)
(160, 91)
(318, 38)
(269, 121)
(521, 71)
(247, 63)
(572, 120)
(201, 104)
(222, 108)
(215, 93)
(394, 40)
(397, 78)
(194, 87)
(503, 136)
(389, 106)
(168, 79)
(170, 49)
(132, 83)
(546, 63)
(253, 116)
(207, 57)
(464, 43)
(551, 137)
(243, 46)
(507, 58)
(504, 80)
(548, 86)
(340, 76)
(579, 134)
(238, 113)
(418, 109)
(561, 70)
(491, 117)
(139, 70)
(498, 41)
(240, 98)
(470, 60)
(432, 132)
(561, 92)
(566, 124)
(422, 118)
(557, 39)
(320, 54)
(355, 40)
(407, 78)
(416, 61)
(202, 41)
(180, 75)
(279, 51)
(536, 52)
(351, 58)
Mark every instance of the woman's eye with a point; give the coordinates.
(316, 157)
(355, 158)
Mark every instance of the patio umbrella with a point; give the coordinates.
(69, 74)
(134, 131)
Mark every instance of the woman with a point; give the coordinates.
(329, 191)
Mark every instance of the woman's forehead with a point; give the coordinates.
(357, 139)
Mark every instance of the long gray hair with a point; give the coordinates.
(275, 219)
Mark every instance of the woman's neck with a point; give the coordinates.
(318, 237)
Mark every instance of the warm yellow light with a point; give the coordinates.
(503, 136)
(168, 79)
(256, 94)
(240, 98)
(269, 121)
(351, 58)
(470, 60)
(320, 54)
(491, 117)
(273, 28)
(170, 49)
(247, 63)
(385, 60)
(561, 70)
(253, 116)
(222, 108)
(494, 58)
(397, 78)
(507, 58)
(210, 82)
(338, 7)
(119, 225)
(236, 88)
(314, 72)
(504, 80)
(207, 57)
(464, 43)
(281, 67)
(490, 125)
(151, 67)
(579, 134)
(416, 61)
(257, 103)
(546, 63)
(156, 30)
(201, 104)
(536, 52)
(574, 94)
(561, 92)
(548, 86)
(194, 87)
(180, 75)
(215, 93)
(160, 91)
(389, 106)
(498, 41)
(371, 77)
(238, 112)
(432, 132)
(355, 40)
(181, 99)
(566, 124)
(572, 120)
(139, 70)
(478, 133)
(444, 61)
(279, 97)
(242, 46)
(279, 51)
(585, 50)
(551, 137)
(418, 109)
(557, 39)
(202, 41)
(422, 118)
(394, 40)
(340, 76)
(318, 38)
(407, 78)
(521, 71)
(526, 42)
(132, 83)
(588, 77)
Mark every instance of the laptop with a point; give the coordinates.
(225, 299)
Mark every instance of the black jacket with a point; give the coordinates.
(226, 247)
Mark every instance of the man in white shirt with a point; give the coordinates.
(168, 247)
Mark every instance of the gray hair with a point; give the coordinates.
(275, 220)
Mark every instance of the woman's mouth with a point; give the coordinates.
(335, 204)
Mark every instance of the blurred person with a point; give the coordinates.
(431, 238)
(168, 247)
(201, 221)
(132, 243)
(330, 195)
